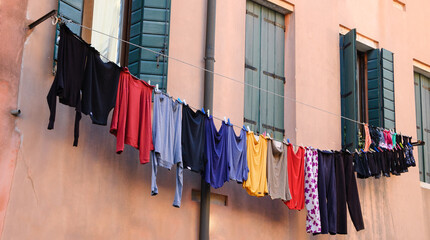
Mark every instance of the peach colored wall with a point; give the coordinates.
(89, 192)
(12, 30)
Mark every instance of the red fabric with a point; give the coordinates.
(131, 119)
(296, 178)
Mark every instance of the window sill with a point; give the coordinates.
(425, 185)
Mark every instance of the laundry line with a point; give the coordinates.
(60, 18)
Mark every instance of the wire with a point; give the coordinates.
(213, 72)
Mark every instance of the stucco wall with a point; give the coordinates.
(89, 192)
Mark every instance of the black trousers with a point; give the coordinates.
(327, 192)
(346, 193)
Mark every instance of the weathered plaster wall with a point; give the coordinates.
(89, 192)
(12, 32)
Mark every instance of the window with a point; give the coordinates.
(367, 88)
(422, 107)
(264, 70)
(143, 22)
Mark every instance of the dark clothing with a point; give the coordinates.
(361, 165)
(374, 135)
(193, 139)
(385, 163)
(216, 168)
(99, 89)
(392, 159)
(67, 85)
(327, 192)
(80, 70)
(346, 193)
(373, 167)
(409, 156)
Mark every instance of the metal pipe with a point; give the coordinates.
(40, 20)
(208, 104)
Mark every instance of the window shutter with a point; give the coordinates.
(422, 103)
(387, 73)
(272, 73)
(72, 10)
(150, 26)
(252, 66)
(374, 87)
(418, 111)
(264, 68)
(349, 108)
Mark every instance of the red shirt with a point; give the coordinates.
(131, 119)
(296, 178)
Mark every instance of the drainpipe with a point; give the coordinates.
(208, 104)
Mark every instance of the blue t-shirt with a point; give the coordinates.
(216, 168)
(236, 155)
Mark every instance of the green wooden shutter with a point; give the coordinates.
(387, 73)
(252, 66)
(422, 104)
(72, 10)
(264, 68)
(348, 83)
(374, 87)
(150, 21)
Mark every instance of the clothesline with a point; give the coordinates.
(60, 18)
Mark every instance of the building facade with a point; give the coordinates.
(279, 69)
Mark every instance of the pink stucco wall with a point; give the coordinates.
(89, 192)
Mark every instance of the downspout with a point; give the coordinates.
(208, 104)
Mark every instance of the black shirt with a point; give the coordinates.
(193, 139)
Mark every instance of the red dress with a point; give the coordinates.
(131, 118)
(296, 178)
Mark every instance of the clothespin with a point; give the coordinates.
(380, 149)
(228, 122)
(244, 128)
(156, 87)
(348, 151)
(410, 145)
(209, 113)
(401, 145)
(179, 100)
(361, 150)
(225, 120)
(288, 140)
(376, 149)
(357, 151)
(203, 111)
(149, 82)
(268, 135)
(264, 134)
(249, 129)
(185, 102)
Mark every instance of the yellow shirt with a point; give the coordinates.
(256, 184)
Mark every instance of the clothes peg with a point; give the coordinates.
(249, 129)
(268, 135)
(401, 145)
(185, 102)
(348, 151)
(149, 82)
(357, 151)
(179, 100)
(376, 149)
(380, 149)
(156, 87)
(244, 128)
(264, 134)
(203, 111)
(228, 122)
(225, 120)
(288, 140)
(209, 113)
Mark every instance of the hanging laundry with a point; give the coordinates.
(388, 140)
(277, 170)
(373, 167)
(409, 155)
(236, 155)
(313, 219)
(256, 183)
(346, 194)
(382, 142)
(193, 139)
(100, 88)
(216, 168)
(131, 118)
(67, 85)
(327, 192)
(361, 166)
(296, 178)
(374, 134)
(368, 139)
(166, 135)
